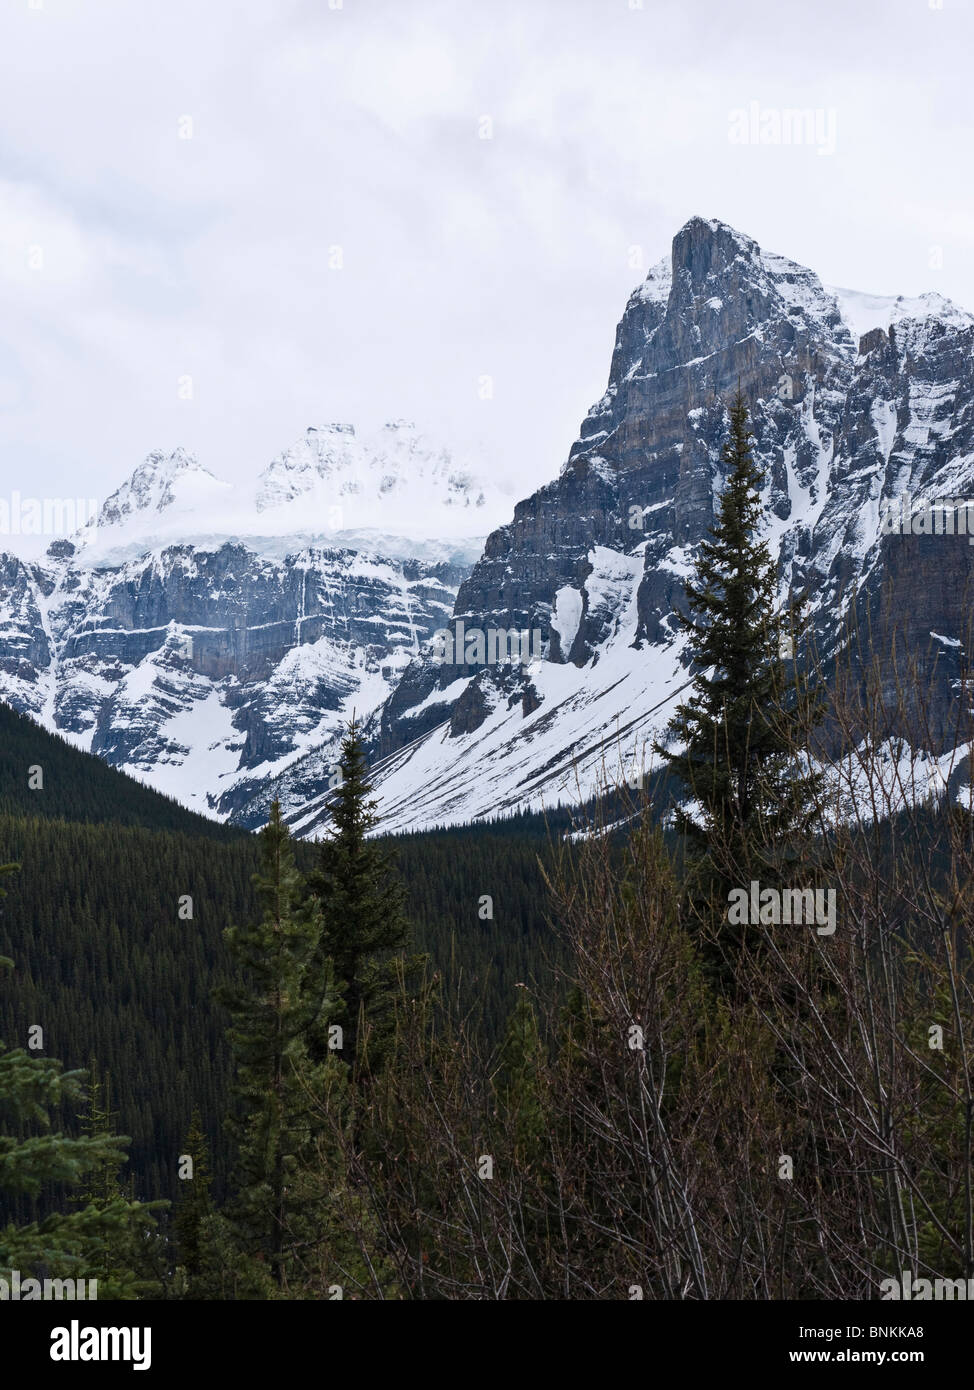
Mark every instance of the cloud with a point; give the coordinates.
(320, 135)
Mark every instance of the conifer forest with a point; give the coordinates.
(441, 861)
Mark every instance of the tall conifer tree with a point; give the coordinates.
(518, 1083)
(364, 924)
(738, 736)
(83, 1243)
(276, 1209)
(195, 1203)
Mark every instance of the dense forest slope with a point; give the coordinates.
(77, 787)
(112, 971)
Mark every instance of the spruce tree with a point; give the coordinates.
(129, 1261)
(364, 924)
(60, 1244)
(98, 1122)
(739, 733)
(276, 1209)
(518, 1083)
(195, 1202)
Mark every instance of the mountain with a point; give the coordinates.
(211, 639)
(391, 492)
(857, 400)
(201, 636)
(75, 787)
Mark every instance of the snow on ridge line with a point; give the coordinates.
(393, 491)
(114, 551)
(864, 312)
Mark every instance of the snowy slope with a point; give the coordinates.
(392, 493)
(864, 312)
(213, 639)
(839, 432)
(203, 637)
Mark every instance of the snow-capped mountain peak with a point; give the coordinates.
(155, 485)
(162, 502)
(596, 560)
(395, 480)
(213, 639)
(391, 492)
(864, 312)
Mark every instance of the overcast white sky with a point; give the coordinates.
(131, 258)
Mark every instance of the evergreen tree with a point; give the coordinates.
(97, 1121)
(126, 1260)
(60, 1244)
(112, 959)
(364, 925)
(738, 733)
(195, 1203)
(518, 1083)
(206, 1247)
(278, 1203)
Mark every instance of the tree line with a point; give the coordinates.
(686, 1102)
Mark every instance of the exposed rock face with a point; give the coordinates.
(206, 668)
(221, 671)
(25, 649)
(214, 665)
(847, 416)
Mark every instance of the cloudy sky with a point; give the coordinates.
(224, 220)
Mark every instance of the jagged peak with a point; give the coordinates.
(395, 470)
(151, 483)
(332, 428)
(709, 265)
(713, 228)
(704, 249)
(157, 463)
(703, 244)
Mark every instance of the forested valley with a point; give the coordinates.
(706, 1038)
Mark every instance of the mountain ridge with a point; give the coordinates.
(843, 423)
(248, 659)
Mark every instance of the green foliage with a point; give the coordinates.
(195, 1204)
(113, 971)
(737, 748)
(361, 900)
(277, 1207)
(78, 787)
(75, 1243)
(106, 963)
(518, 1084)
(124, 1264)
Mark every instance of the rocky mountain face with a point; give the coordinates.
(203, 640)
(855, 401)
(213, 643)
